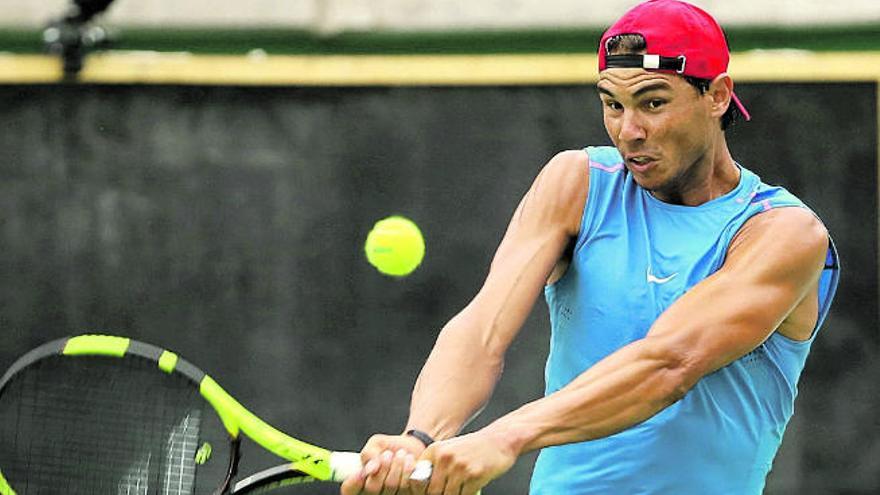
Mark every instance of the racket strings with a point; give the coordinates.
(101, 426)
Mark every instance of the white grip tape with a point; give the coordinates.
(422, 472)
(345, 464)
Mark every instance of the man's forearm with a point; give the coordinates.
(456, 381)
(627, 387)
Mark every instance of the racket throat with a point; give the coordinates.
(232, 469)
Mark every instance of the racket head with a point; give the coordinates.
(101, 414)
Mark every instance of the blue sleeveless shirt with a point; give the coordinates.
(634, 256)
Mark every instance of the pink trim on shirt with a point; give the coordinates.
(606, 168)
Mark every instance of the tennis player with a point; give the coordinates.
(684, 296)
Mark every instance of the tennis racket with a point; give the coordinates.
(101, 414)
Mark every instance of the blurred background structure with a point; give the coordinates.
(202, 174)
(339, 15)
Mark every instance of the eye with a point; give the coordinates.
(656, 103)
(613, 105)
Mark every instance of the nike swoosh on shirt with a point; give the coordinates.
(659, 280)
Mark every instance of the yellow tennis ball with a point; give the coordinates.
(395, 246)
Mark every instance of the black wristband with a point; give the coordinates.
(421, 436)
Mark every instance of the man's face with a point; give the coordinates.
(661, 125)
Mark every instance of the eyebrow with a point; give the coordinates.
(644, 89)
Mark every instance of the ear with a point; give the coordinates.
(720, 90)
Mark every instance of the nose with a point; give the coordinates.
(631, 127)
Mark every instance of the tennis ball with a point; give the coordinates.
(395, 246)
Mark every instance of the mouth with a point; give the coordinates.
(640, 163)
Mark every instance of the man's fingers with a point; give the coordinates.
(372, 467)
(453, 484)
(409, 463)
(471, 488)
(374, 447)
(388, 462)
(437, 483)
(353, 485)
(395, 473)
(376, 480)
(416, 486)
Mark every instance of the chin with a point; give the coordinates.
(647, 183)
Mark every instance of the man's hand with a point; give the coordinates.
(463, 465)
(388, 462)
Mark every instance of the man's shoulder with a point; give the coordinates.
(791, 220)
(563, 185)
(567, 168)
(573, 157)
(798, 229)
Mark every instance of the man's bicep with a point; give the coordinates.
(554, 202)
(538, 234)
(772, 265)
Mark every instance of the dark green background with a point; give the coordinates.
(555, 40)
(227, 224)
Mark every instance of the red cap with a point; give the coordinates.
(679, 37)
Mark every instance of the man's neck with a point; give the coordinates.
(717, 176)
